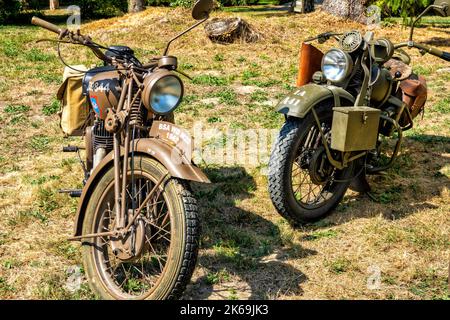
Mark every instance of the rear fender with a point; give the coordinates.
(169, 156)
(300, 101)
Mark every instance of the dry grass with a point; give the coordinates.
(248, 251)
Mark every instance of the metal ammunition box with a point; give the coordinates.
(354, 128)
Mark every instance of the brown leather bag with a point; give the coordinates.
(414, 94)
(310, 62)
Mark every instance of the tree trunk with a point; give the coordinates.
(350, 9)
(54, 4)
(135, 6)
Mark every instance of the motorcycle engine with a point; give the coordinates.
(102, 142)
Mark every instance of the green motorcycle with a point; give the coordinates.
(346, 100)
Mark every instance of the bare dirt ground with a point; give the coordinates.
(247, 250)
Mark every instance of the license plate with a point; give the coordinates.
(173, 135)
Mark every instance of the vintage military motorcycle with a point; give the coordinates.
(347, 102)
(137, 219)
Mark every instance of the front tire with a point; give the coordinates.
(168, 246)
(297, 147)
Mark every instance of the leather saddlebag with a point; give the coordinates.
(75, 108)
(414, 94)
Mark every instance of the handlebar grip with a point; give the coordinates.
(446, 56)
(46, 25)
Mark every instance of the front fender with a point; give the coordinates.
(300, 101)
(169, 156)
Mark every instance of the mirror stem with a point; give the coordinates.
(183, 33)
(418, 18)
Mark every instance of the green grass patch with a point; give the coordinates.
(36, 55)
(46, 199)
(15, 109)
(249, 74)
(259, 96)
(40, 143)
(218, 277)
(10, 48)
(5, 287)
(227, 96)
(321, 235)
(51, 108)
(214, 119)
(208, 80)
(391, 195)
(443, 106)
(218, 57)
(339, 266)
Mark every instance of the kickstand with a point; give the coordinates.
(360, 184)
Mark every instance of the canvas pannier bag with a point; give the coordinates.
(75, 108)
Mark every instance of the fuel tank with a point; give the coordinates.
(102, 87)
(382, 85)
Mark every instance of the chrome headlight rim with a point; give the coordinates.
(348, 66)
(150, 84)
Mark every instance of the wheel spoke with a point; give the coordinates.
(137, 275)
(305, 189)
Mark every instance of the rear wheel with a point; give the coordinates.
(303, 185)
(156, 258)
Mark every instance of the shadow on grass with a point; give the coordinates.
(243, 254)
(437, 41)
(408, 187)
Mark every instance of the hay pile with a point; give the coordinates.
(230, 30)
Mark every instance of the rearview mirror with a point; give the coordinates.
(202, 9)
(442, 7)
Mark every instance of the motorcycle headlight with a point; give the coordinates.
(336, 65)
(163, 91)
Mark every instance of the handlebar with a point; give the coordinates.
(46, 25)
(75, 37)
(434, 51)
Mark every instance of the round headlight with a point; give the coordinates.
(162, 92)
(336, 65)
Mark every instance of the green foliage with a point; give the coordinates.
(402, 8)
(181, 3)
(105, 8)
(228, 3)
(9, 9)
(190, 3)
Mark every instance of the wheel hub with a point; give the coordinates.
(131, 244)
(320, 168)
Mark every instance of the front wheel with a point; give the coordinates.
(303, 185)
(156, 258)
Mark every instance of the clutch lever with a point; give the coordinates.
(323, 37)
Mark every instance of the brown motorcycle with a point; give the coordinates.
(137, 219)
(346, 101)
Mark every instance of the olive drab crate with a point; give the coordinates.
(354, 128)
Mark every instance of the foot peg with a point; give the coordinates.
(83, 165)
(70, 149)
(76, 193)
